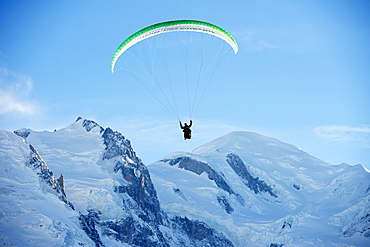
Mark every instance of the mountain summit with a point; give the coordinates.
(84, 185)
(260, 191)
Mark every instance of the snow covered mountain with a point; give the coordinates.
(259, 191)
(84, 185)
(105, 196)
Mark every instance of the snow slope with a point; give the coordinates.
(83, 185)
(31, 214)
(259, 191)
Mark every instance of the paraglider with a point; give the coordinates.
(186, 129)
(175, 69)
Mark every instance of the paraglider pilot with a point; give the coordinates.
(186, 129)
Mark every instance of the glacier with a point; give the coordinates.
(84, 185)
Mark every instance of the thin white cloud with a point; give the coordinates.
(252, 40)
(10, 104)
(14, 93)
(359, 136)
(288, 38)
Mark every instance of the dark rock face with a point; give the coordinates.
(276, 245)
(362, 225)
(46, 175)
(89, 125)
(200, 234)
(296, 186)
(199, 167)
(117, 145)
(254, 184)
(22, 133)
(141, 190)
(140, 187)
(88, 224)
(130, 231)
(138, 195)
(225, 204)
(288, 224)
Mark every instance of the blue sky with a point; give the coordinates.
(301, 74)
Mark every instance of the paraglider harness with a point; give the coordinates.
(186, 129)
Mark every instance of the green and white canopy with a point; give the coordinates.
(173, 26)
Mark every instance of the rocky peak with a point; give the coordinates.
(89, 124)
(46, 176)
(117, 145)
(24, 133)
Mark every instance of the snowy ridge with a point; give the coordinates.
(29, 204)
(105, 196)
(267, 193)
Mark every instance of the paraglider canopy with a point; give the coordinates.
(172, 26)
(176, 67)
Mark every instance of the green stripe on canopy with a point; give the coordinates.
(172, 26)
